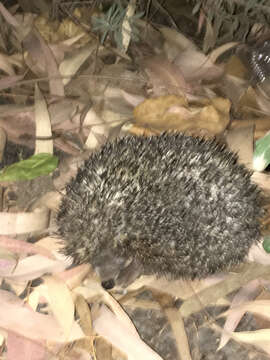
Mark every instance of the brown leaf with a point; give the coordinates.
(174, 113)
(166, 77)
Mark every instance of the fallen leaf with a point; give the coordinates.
(20, 348)
(246, 293)
(43, 125)
(22, 222)
(35, 266)
(23, 247)
(36, 165)
(61, 303)
(259, 338)
(112, 329)
(70, 66)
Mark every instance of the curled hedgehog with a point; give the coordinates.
(171, 205)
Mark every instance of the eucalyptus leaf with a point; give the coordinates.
(243, 14)
(110, 24)
(266, 244)
(36, 165)
(261, 157)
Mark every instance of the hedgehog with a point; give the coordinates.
(171, 205)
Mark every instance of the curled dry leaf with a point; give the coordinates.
(22, 222)
(174, 113)
(152, 112)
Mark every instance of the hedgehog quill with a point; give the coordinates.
(173, 205)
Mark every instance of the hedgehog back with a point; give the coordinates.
(179, 206)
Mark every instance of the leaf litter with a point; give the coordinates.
(67, 86)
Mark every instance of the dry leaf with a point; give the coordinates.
(3, 139)
(35, 266)
(20, 348)
(18, 318)
(23, 247)
(165, 77)
(69, 67)
(173, 113)
(115, 331)
(74, 276)
(217, 291)
(257, 253)
(235, 67)
(259, 338)
(240, 141)
(22, 222)
(55, 81)
(176, 322)
(247, 292)
(43, 125)
(126, 28)
(61, 303)
(10, 81)
(98, 128)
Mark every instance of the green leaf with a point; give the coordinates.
(261, 157)
(110, 24)
(36, 165)
(266, 244)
